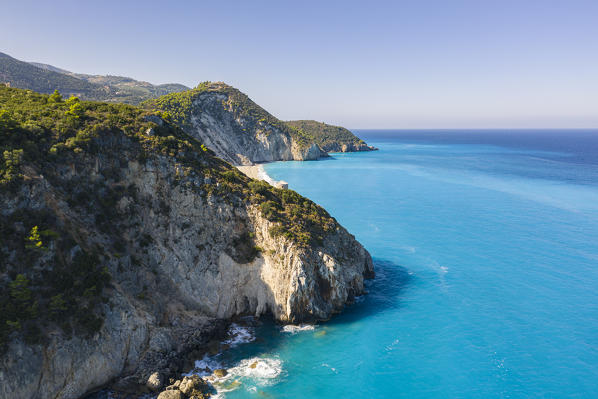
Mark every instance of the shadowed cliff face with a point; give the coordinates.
(123, 248)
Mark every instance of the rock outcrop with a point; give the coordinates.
(173, 242)
(331, 138)
(234, 127)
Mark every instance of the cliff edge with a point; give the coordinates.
(125, 242)
(234, 127)
(243, 133)
(331, 138)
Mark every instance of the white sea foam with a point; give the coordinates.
(238, 334)
(235, 335)
(260, 370)
(263, 175)
(392, 346)
(250, 374)
(294, 329)
(204, 367)
(330, 367)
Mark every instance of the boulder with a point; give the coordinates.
(171, 394)
(193, 386)
(220, 373)
(155, 381)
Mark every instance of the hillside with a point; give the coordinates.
(26, 76)
(242, 132)
(49, 67)
(331, 138)
(236, 128)
(131, 91)
(225, 119)
(126, 245)
(44, 78)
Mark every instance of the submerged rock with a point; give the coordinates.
(219, 373)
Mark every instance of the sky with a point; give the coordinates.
(359, 64)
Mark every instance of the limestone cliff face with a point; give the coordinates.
(186, 260)
(235, 128)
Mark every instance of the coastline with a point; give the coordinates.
(259, 173)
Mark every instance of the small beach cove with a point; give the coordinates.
(258, 172)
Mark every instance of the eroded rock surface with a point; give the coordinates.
(187, 241)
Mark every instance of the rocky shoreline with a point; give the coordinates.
(176, 375)
(200, 373)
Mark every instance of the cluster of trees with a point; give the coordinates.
(39, 287)
(66, 292)
(297, 218)
(178, 107)
(47, 133)
(325, 135)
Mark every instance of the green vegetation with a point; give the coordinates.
(46, 275)
(179, 107)
(297, 218)
(44, 78)
(328, 137)
(131, 91)
(41, 130)
(66, 292)
(24, 75)
(175, 99)
(51, 275)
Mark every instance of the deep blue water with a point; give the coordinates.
(486, 252)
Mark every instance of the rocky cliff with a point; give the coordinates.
(331, 138)
(242, 133)
(125, 242)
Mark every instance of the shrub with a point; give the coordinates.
(55, 97)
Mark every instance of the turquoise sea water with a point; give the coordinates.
(486, 253)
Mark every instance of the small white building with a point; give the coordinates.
(282, 184)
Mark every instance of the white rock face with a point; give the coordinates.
(190, 278)
(243, 140)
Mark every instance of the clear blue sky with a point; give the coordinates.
(396, 64)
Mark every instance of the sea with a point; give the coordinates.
(485, 244)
